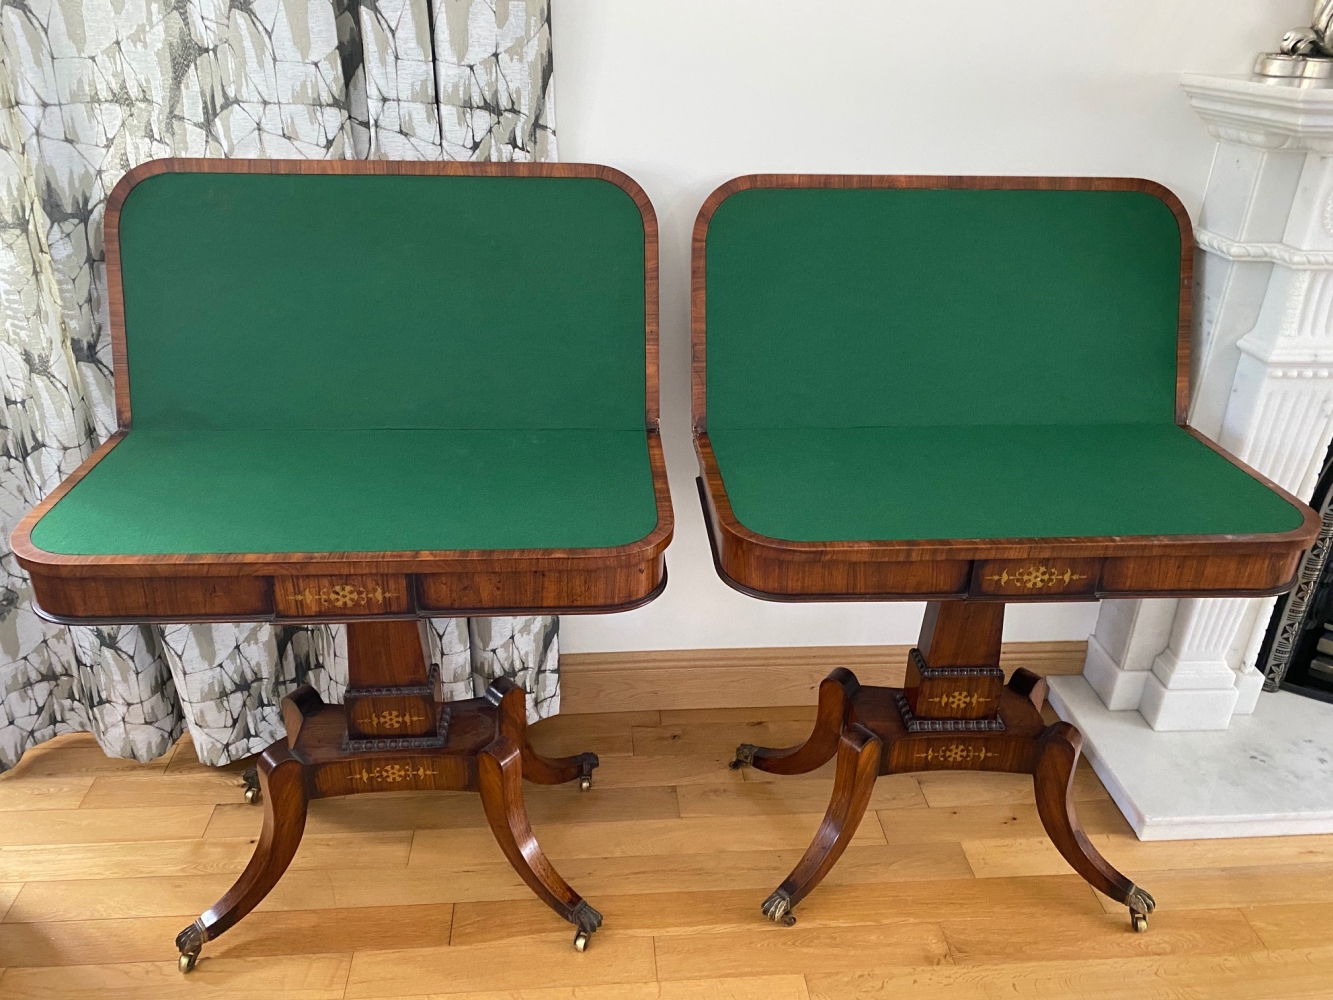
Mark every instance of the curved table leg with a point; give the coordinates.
(1058, 752)
(512, 703)
(284, 797)
(500, 773)
(835, 700)
(858, 767)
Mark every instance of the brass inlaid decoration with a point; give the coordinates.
(343, 595)
(388, 719)
(956, 700)
(391, 774)
(1037, 577)
(957, 753)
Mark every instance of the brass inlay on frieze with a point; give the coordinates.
(344, 595)
(1037, 577)
(388, 719)
(392, 773)
(956, 700)
(957, 753)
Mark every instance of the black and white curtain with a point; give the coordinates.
(90, 88)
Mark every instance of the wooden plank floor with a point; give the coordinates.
(950, 889)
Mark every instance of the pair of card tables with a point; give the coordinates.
(370, 393)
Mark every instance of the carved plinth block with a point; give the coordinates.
(951, 692)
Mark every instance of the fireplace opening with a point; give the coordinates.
(1297, 652)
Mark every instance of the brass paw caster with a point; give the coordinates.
(251, 779)
(585, 920)
(1140, 905)
(744, 756)
(189, 942)
(585, 785)
(777, 908)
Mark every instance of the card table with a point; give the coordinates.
(969, 392)
(371, 393)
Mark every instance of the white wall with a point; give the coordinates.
(684, 94)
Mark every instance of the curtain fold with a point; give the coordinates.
(90, 88)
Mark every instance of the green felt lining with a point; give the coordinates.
(339, 301)
(879, 307)
(163, 492)
(874, 483)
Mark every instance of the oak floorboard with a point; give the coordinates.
(1243, 886)
(1295, 925)
(53, 793)
(828, 906)
(1296, 974)
(113, 791)
(967, 823)
(8, 893)
(746, 988)
(794, 795)
(91, 826)
(973, 788)
(406, 811)
(694, 835)
(521, 963)
(770, 948)
(205, 856)
(168, 895)
(1001, 857)
(305, 977)
(263, 933)
(717, 741)
(607, 734)
(1050, 937)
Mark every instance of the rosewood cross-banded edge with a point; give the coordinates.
(970, 391)
(343, 435)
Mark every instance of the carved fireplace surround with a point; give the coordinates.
(1170, 699)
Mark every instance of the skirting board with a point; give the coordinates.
(652, 680)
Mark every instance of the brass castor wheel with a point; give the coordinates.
(585, 920)
(186, 962)
(585, 785)
(251, 778)
(252, 796)
(1140, 905)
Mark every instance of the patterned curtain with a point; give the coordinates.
(90, 88)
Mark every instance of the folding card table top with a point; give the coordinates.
(968, 391)
(370, 393)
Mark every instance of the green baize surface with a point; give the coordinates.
(933, 364)
(362, 364)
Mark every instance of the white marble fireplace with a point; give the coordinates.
(1170, 700)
